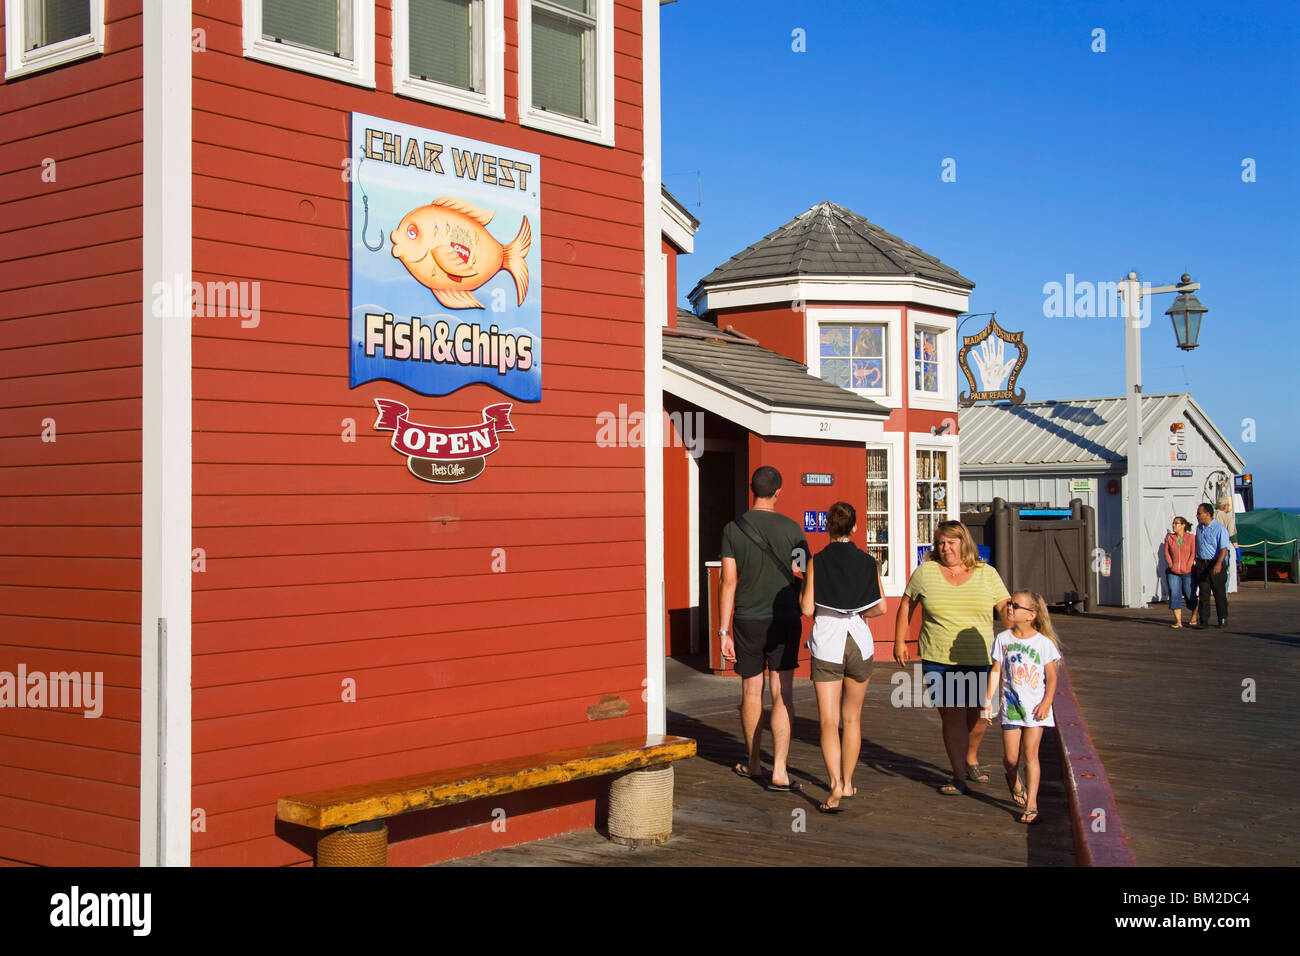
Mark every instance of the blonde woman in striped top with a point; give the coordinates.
(958, 594)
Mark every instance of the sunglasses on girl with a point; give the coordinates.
(1018, 607)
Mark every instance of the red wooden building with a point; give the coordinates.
(199, 509)
(827, 349)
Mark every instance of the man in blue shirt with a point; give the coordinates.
(1210, 572)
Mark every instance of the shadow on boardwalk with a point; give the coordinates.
(1202, 773)
(897, 819)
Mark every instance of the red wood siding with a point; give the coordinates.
(677, 530)
(777, 327)
(70, 350)
(326, 559)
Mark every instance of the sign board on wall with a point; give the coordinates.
(1083, 486)
(814, 521)
(446, 261)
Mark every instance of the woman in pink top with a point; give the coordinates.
(1180, 555)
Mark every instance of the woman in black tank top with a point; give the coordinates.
(841, 585)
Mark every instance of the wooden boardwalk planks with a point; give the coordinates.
(897, 819)
(1201, 776)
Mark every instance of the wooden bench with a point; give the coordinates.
(350, 819)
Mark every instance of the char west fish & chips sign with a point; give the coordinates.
(446, 262)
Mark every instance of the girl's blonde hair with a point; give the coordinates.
(1042, 620)
(955, 529)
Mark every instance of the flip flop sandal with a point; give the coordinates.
(850, 795)
(794, 786)
(1029, 817)
(827, 808)
(1019, 796)
(954, 789)
(740, 770)
(975, 772)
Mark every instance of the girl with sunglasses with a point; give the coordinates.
(1024, 667)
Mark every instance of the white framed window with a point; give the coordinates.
(931, 362)
(857, 349)
(451, 52)
(854, 355)
(925, 360)
(331, 38)
(934, 489)
(566, 67)
(40, 34)
(882, 519)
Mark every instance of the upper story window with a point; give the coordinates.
(40, 34)
(450, 52)
(332, 38)
(932, 357)
(925, 360)
(853, 355)
(566, 67)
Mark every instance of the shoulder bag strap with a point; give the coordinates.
(756, 536)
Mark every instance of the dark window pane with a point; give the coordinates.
(55, 20)
(559, 70)
(441, 42)
(313, 24)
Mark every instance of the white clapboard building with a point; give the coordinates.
(1043, 454)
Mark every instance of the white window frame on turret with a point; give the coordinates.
(945, 400)
(891, 395)
(899, 512)
(20, 62)
(924, 441)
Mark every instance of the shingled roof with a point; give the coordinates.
(829, 240)
(741, 365)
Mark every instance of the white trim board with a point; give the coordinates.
(675, 225)
(767, 420)
(166, 483)
(655, 305)
(860, 289)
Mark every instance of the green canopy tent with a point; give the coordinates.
(1269, 536)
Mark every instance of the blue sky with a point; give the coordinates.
(1067, 161)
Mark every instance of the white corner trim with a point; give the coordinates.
(768, 420)
(944, 400)
(602, 130)
(20, 62)
(166, 520)
(656, 297)
(859, 289)
(491, 101)
(360, 69)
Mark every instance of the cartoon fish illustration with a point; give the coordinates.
(447, 247)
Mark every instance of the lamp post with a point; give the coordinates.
(1186, 315)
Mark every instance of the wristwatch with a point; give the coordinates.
(722, 633)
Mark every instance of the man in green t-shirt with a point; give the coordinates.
(760, 599)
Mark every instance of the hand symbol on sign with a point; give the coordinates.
(992, 364)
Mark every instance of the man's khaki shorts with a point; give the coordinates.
(853, 667)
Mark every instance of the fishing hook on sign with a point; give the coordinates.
(365, 206)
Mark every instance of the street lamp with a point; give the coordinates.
(1187, 311)
(1186, 314)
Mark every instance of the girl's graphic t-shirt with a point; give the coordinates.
(1024, 677)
